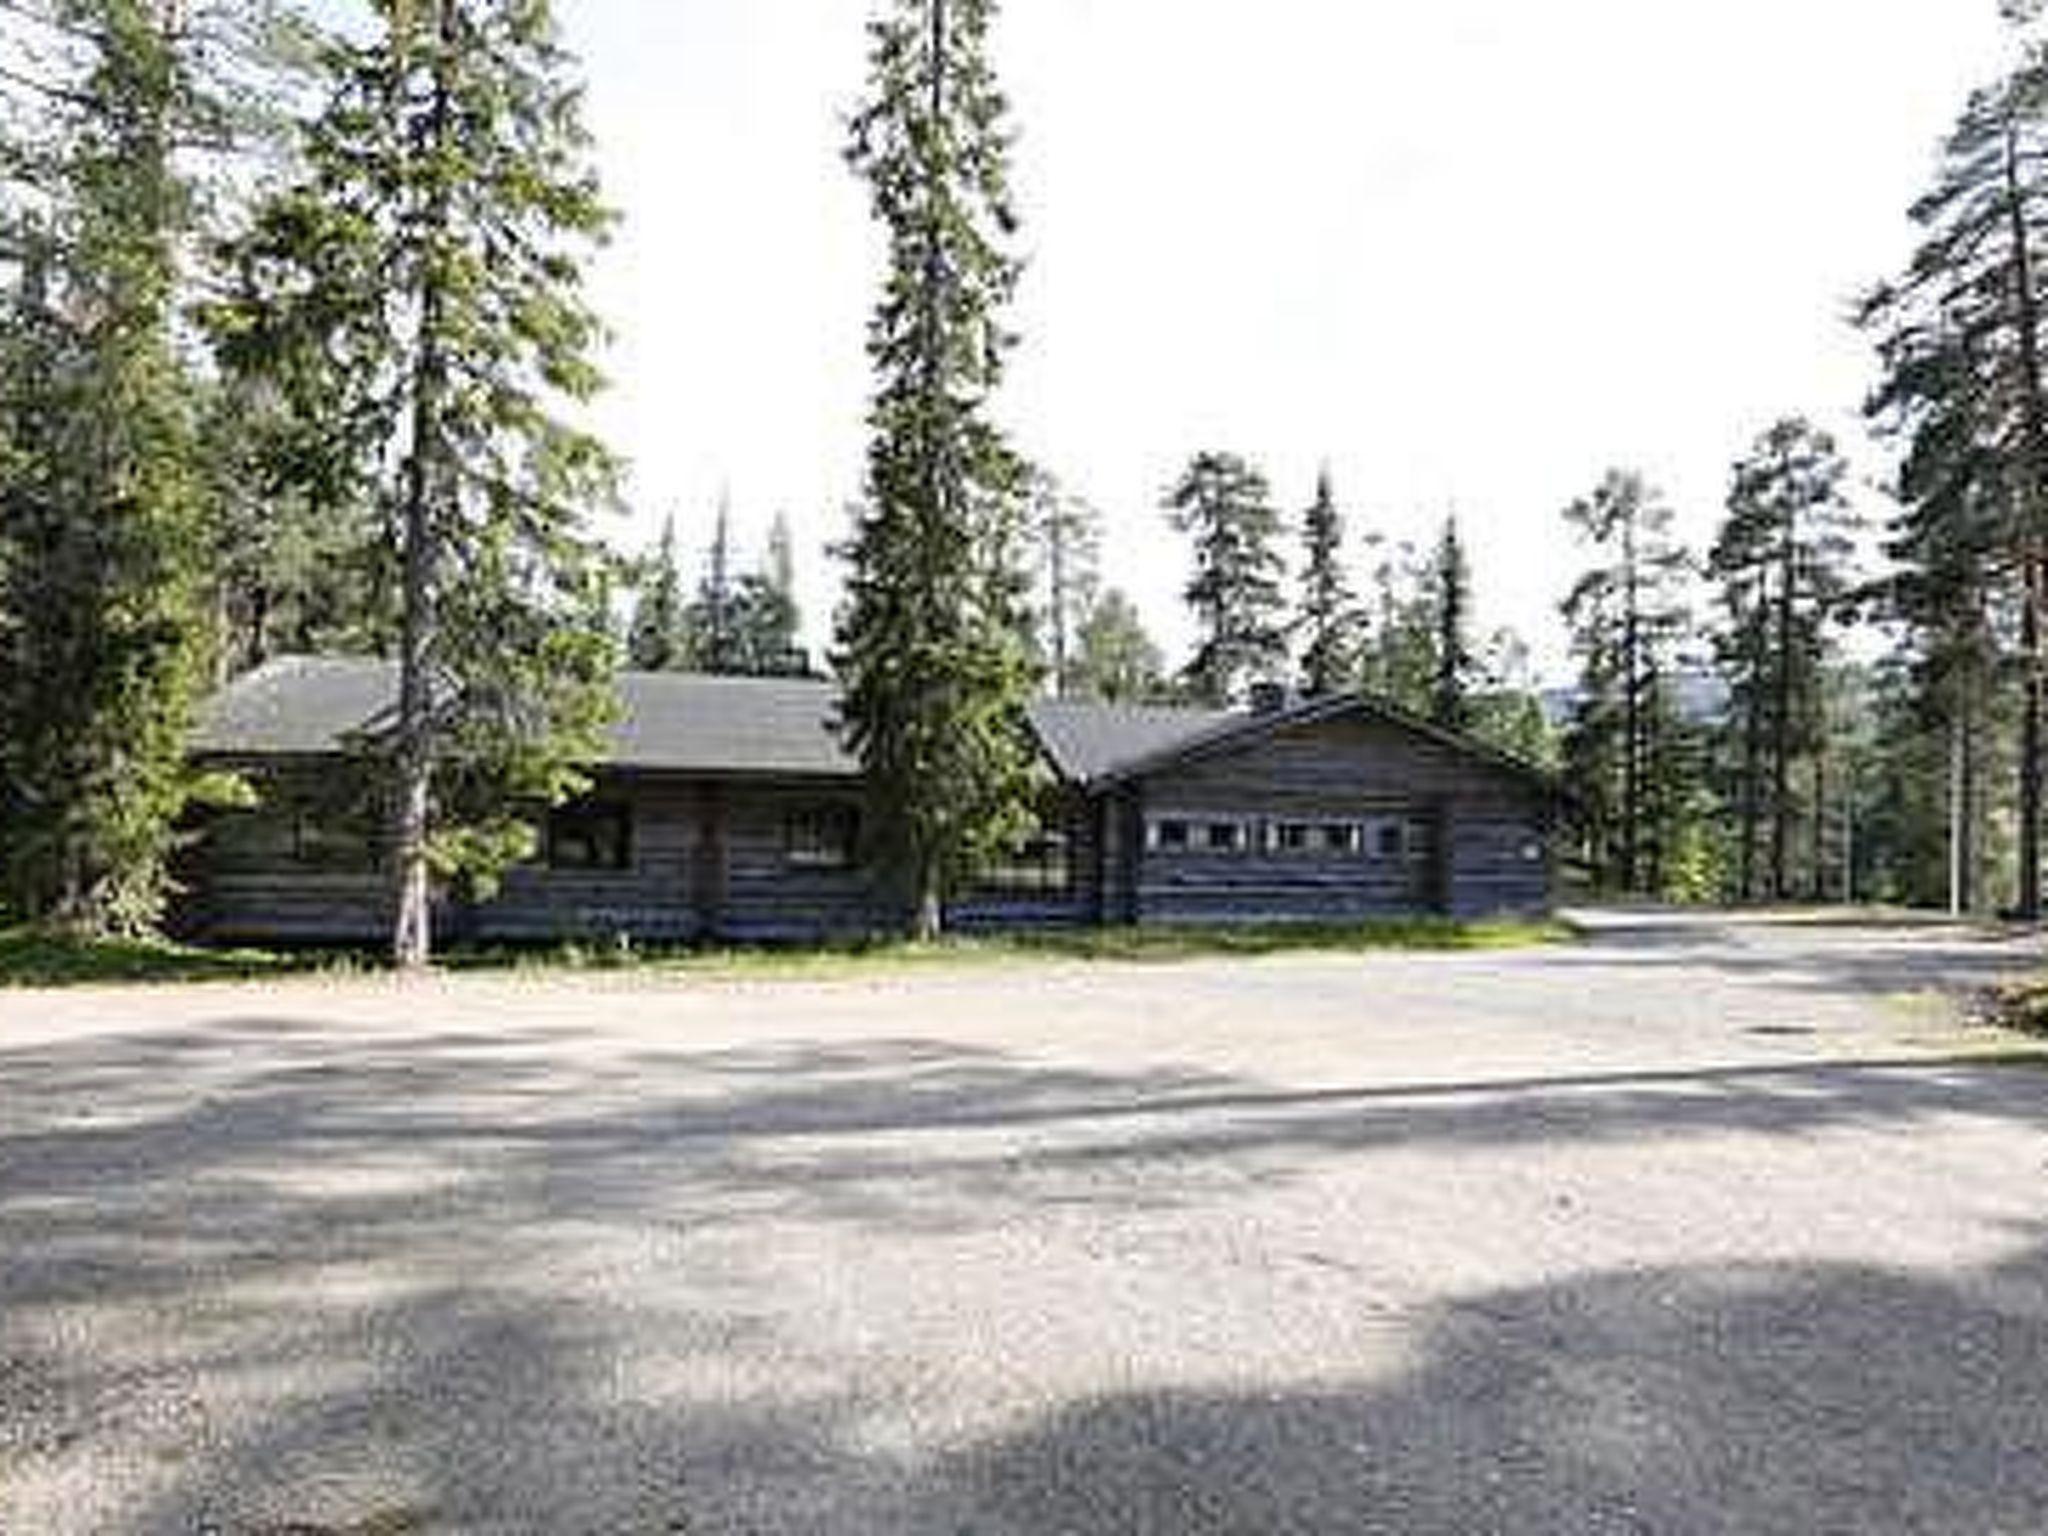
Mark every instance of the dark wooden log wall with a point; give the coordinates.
(1484, 824)
(710, 859)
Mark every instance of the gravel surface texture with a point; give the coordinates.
(1698, 1226)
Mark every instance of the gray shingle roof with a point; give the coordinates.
(675, 721)
(1087, 740)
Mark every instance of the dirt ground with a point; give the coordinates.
(1701, 1225)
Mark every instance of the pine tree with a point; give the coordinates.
(1115, 661)
(102, 620)
(655, 639)
(1960, 337)
(1451, 602)
(1953, 589)
(413, 297)
(1066, 535)
(930, 641)
(1223, 504)
(1780, 559)
(1624, 614)
(1327, 618)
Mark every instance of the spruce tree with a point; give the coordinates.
(711, 620)
(1451, 594)
(930, 640)
(102, 620)
(770, 623)
(1780, 559)
(655, 638)
(414, 299)
(1224, 506)
(1327, 618)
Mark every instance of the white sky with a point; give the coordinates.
(1471, 252)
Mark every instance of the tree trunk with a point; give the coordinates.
(1970, 841)
(2033, 482)
(1781, 732)
(1752, 762)
(1819, 834)
(1631, 702)
(2030, 743)
(412, 928)
(928, 921)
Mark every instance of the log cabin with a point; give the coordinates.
(728, 808)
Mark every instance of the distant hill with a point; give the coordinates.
(1702, 698)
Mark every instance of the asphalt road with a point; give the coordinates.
(1697, 1227)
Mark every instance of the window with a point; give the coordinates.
(590, 834)
(821, 836)
(1171, 835)
(331, 826)
(1292, 836)
(1223, 836)
(1187, 834)
(1340, 837)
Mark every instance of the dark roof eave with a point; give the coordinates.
(245, 756)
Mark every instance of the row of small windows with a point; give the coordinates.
(1391, 838)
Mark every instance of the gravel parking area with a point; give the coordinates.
(1702, 1225)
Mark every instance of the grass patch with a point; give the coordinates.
(43, 958)
(1163, 945)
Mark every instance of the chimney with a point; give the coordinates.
(1269, 697)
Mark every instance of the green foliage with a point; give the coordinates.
(1626, 757)
(1781, 563)
(931, 648)
(743, 625)
(1397, 657)
(1115, 660)
(1451, 593)
(656, 640)
(102, 627)
(1959, 335)
(1066, 546)
(412, 302)
(1505, 710)
(63, 957)
(1327, 618)
(1222, 503)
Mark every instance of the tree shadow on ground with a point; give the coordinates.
(343, 1278)
(1747, 1400)
(1850, 959)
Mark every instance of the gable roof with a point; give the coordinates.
(686, 722)
(1235, 731)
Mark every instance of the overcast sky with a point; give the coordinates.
(1470, 252)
